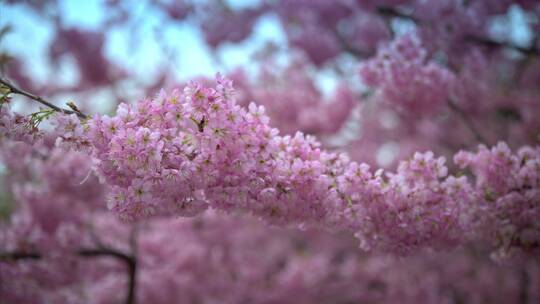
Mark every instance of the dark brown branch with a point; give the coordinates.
(348, 48)
(524, 288)
(14, 256)
(13, 89)
(467, 121)
(394, 13)
(130, 261)
(530, 51)
(390, 12)
(131, 264)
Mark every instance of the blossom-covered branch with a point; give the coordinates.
(180, 153)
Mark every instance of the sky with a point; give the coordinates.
(193, 58)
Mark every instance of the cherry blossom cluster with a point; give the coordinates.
(234, 26)
(52, 200)
(504, 205)
(179, 153)
(293, 102)
(38, 174)
(15, 126)
(406, 79)
(322, 29)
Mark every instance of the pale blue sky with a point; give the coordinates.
(193, 56)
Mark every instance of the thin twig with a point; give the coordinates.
(131, 263)
(13, 89)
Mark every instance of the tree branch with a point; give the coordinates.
(531, 51)
(131, 263)
(8, 256)
(524, 287)
(13, 89)
(467, 121)
(393, 13)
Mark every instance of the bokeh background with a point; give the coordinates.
(379, 80)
